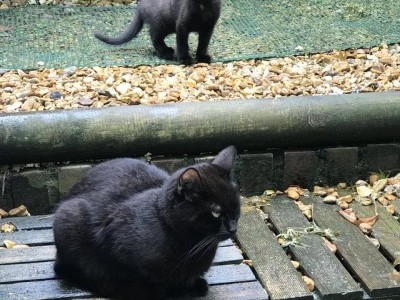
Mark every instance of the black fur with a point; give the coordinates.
(173, 16)
(129, 230)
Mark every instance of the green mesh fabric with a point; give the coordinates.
(62, 36)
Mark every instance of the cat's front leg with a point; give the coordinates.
(182, 45)
(202, 48)
(198, 287)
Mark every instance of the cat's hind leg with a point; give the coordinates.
(162, 50)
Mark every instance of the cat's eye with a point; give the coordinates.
(215, 214)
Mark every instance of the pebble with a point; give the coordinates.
(55, 95)
(338, 72)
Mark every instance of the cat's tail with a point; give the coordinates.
(133, 29)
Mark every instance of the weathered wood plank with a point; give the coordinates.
(30, 237)
(229, 274)
(33, 222)
(386, 229)
(331, 278)
(226, 243)
(46, 289)
(270, 261)
(365, 261)
(44, 270)
(58, 289)
(238, 291)
(26, 255)
(227, 255)
(27, 272)
(396, 204)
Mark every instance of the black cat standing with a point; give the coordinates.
(128, 230)
(173, 16)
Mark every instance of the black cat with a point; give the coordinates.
(129, 230)
(173, 16)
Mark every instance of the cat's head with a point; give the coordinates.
(206, 198)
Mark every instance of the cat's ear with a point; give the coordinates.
(190, 185)
(225, 159)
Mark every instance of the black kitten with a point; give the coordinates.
(173, 16)
(128, 230)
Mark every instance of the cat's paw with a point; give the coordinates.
(203, 58)
(199, 288)
(185, 60)
(167, 53)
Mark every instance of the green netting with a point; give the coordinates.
(62, 36)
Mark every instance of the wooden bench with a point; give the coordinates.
(28, 273)
(359, 270)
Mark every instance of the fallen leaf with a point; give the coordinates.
(3, 213)
(7, 227)
(352, 218)
(295, 264)
(20, 211)
(330, 245)
(309, 283)
(365, 228)
(248, 262)
(9, 244)
(390, 208)
(395, 276)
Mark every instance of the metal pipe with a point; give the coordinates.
(193, 128)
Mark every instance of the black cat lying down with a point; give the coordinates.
(128, 230)
(173, 16)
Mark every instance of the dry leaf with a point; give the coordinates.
(248, 262)
(395, 276)
(364, 191)
(390, 208)
(350, 216)
(9, 244)
(379, 185)
(293, 194)
(347, 199)
(295, 264)
(20, 211)
(7, 227)
(343, 205)
(365, 228)
(330, 245)
(383, 201)
(3, 213)
(309, 283)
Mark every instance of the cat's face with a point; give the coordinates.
(209, 199)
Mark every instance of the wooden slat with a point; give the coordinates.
(57, 289)
(26, 255)
(270, 261)
(227, 255)
(365, 261)
(226, 243)
(396, 204)
(331, 278)
(30, 237)
(238, 291)
(44, 270)
(33, 222)
(27, 272)
(386, 229)
(35, 290)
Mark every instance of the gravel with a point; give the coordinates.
(338, 72)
